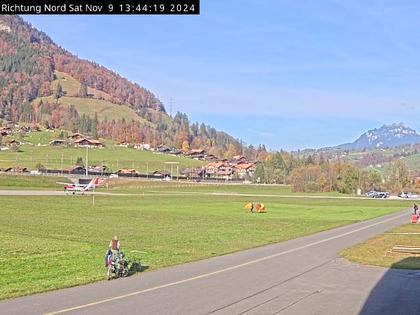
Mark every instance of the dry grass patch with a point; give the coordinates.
(378, 250)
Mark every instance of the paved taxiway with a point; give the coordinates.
(300, 276)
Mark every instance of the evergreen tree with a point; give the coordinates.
(58, 91)
(260, 174)
(79, 161)
(95, 126)
(83, 90)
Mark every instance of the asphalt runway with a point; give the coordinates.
(51, 193)
(300, 276)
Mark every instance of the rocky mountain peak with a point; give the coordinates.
(392, 135)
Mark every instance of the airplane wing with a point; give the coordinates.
(72, 184)
(62, 183)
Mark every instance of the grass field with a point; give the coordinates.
(378, 250)
(97, 101)
(103, 108)
(31, 182)
(113, 157)
(71, 86)
(56, 242)
(100, 102)
(136, 186)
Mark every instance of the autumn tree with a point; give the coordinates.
(398, 175)
(308, 179)
(370, 180)
(231, 151)
(185, 146)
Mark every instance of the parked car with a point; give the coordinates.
(377, 194)
(371, 194)
(382, 194)
(407, 195)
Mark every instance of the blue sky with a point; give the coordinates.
(290, 74)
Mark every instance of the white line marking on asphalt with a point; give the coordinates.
(221, 270)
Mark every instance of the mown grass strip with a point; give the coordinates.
(57, 242)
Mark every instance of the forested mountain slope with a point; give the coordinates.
(43, 83)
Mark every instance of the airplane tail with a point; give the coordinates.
(93, 184)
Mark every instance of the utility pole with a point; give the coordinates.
(172, 168)
(87, 164)
(93, 196)
(62, 157)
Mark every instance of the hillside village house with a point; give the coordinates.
(193, 172)
(220, 169)
(226, 172)
(163, 149)
(159, 174)
(97, 169)
(12, 143)
(5, 131)
(57, 142)
(15, 170)
(227, 169)
(244, 169)
(123, 144)
(27, 129)
(213, 167)
(238, 159)
(76, 136)
(175, 152)
(127, 171)
(91, 143)
(77, 169)
(197, 154)
(142, 146)
(210, 157)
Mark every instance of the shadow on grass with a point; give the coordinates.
(397, 292)
(136, 267)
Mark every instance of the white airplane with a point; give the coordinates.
(80, 188)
